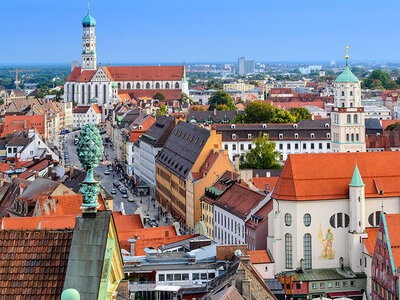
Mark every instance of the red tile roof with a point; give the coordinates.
(96, 108)
(259, 257)
(16, 123)
(239, 200)
(280, 91)
(134, 136)
(262, 182)
(369, 242)
(31, 223)
(386, 123)
(127, 222)
(78, 76)
(320, 176)
(393, 225)
(33, 264)
(149, 94)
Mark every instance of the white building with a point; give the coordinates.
(317, 111)
(83, 115)
(307, 136)
(147, 148)
(379, 112)
(91, 81)
(347, 117)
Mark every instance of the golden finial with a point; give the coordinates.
(88, 6)
(347, 55)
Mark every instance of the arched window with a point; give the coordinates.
(352, 137)
(307, 219)
(342, 104)
(157, 85)
(83, 94)
(342, 93)
(307, 251)
(355, 119)
(89, 93)
(177, 85)
(348, 119)
(351, 93)
(128, 86)
(104, 94)
(351, 104)
(73, 93)
(288, 219)
(347, 138)
(357, 137)
(119, 86)
(167, 85)
(138, 86)
(96, 91)
(288, 250)
(147, 85)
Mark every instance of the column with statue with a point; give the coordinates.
(90, 152)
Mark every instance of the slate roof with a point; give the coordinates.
(159, 132)
(304, 128)
(13, 191)
(373, 126)
(216, 116)
(183, 148)
(324, 274)
(74, 179)
(86, 259)
(33, 263)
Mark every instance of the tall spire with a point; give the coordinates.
(356, 180)
(347, 56)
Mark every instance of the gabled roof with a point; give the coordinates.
(392, 225)
(239, 200)
(43, 222)
(83, 109)
(78, 76)
(18, 123)
(183, 148)
(159, 132)
(33, 263)
(369, 242)
(262, 183)
(321, 176)
(259, 257)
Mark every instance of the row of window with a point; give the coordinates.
(226, 237)
(329, 285)
(280, 135)
(288, 146)
(306, 219)
(229, 223)
(186, 276)
(148, 86)
(307, 251)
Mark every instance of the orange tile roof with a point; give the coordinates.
(259, 257)
(78, 76)
(148, 73)
(262, 182)
(54, 222)
(124, 96)
(320, 176)
(369, 242)
(134, 136)
(127, 222)
(16, 123)
(386, 123)
(146, 233)
(96, 108)
(393, 225)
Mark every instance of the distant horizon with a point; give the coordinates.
(287, 31)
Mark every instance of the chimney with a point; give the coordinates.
(237, 164)
(245, 259)
(25, 124)
(132, 246)
(215, 111)
(246, 290)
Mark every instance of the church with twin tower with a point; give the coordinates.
(347, 116)
(93, 83)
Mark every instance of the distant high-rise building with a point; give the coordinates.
(332, 62)
(246, 66)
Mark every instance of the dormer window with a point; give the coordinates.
(249, 136)
(312, 135)
(264, 126)
(328, 135)
(294, 125)
(281, 136)
(296, 136)
(233, 136)
(233, 126)
(327, 124)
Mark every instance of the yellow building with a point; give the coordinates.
(240, 86)
(211, 194)
(191, 160)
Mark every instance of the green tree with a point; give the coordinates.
(256, 112)
(162, 111)
(222, 107)
(379, 79)
(159, 96)
(221, 98)
(300, 113)
(262, 156)
(282, 116)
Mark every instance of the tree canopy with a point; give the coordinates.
(162, 111)
(379, 79)
(262, 112)
(262, 156)
(221, 98)
(300, 113)
(159, 96)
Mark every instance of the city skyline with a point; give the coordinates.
(265, 31)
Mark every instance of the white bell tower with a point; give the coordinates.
(347, 117)
(89, 59)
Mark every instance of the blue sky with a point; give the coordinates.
(146, 31)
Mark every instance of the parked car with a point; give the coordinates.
(124, 196)
(131, 199)
(113, 191)
(116, 184)
(106, 172)
(123, 191)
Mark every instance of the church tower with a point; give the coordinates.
(89, 43)
(347, 117)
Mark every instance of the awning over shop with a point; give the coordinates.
(335, 295)
(354, 294)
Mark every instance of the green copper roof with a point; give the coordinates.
(347, 76)
(70, 294)
(94, 100)
(88, 20)
(356, 180)
(114, 85)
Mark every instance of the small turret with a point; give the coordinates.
(357, 202)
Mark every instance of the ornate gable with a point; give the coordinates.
(100, 76)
